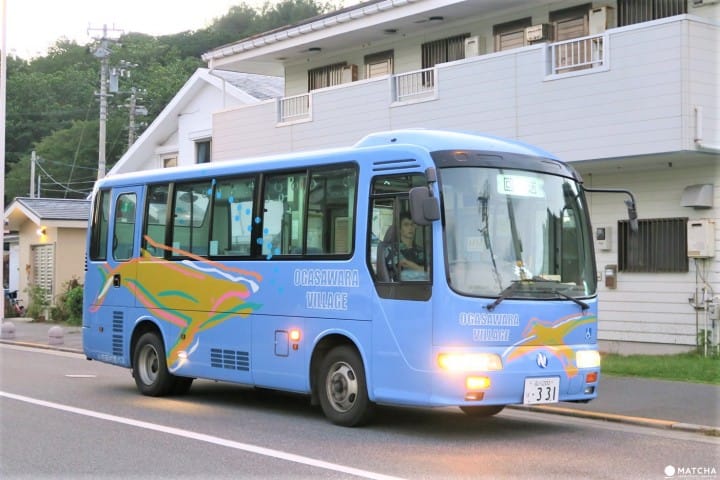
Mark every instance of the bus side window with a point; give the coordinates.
(190, 226)
(283, 214)
(331, 206)
(232, 217)
(399, 249)
(124, 226)
(156, 218)
(100, 223)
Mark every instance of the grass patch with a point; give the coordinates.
(686, 367)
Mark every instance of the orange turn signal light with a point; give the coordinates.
(295, 335)
(477, 383)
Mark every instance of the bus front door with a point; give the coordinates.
(110, 279)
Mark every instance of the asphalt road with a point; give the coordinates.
(64, 417)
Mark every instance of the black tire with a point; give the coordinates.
(150, 367)
(343, 388)
(482, 411)
(182, 385)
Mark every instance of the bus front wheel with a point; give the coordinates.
(482, 411)
(150, 368)
(343, 388)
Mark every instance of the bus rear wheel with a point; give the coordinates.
(150, 368)
(343, 388)
(482, 411)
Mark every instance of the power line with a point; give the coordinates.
(55, 162)
(52, 179)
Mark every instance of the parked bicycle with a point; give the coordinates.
(13, 304)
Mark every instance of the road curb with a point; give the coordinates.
(43, 346)
(626, 419)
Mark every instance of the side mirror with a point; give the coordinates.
(631, 208)
(424, 208)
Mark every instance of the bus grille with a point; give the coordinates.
(230, 359)
(117, 333)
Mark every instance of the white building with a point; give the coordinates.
(182, 133)
(625, 90)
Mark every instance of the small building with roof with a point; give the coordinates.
(50, 247)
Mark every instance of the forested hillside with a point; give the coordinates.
(52, 104)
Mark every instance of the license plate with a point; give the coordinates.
(541, 390)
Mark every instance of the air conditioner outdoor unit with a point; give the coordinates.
(473, 46)
(600, 19)
(538, 33)
(349, 73)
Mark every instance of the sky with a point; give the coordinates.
(34, 25)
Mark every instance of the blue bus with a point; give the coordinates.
(418, 267)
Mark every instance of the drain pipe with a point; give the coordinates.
(698, 134)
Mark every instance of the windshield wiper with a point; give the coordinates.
(509, 290)
(582, 304)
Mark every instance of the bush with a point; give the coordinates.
(69, 304)
(39, 303)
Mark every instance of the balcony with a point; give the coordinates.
(629, 91)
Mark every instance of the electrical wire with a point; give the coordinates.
(52, 179)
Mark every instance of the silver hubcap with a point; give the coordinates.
(148, 364)
(341, 386)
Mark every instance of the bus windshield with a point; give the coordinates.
(516, 234)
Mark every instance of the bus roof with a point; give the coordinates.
(441, 140)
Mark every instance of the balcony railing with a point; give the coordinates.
(415, 85)
(577, 54)
(292, 109)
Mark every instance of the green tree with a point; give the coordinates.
(52, 104)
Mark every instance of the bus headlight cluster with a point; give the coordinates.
(587, 359)
(469, 362)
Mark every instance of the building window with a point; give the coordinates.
(202, 151)
(659, 245)
(443, 50)
(170, 161)
(570, 23)
(326, 76)
(511, 34)
(378, 64)
(636, 11)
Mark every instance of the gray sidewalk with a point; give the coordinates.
(656, 403)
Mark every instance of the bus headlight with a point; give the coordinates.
(587, 359)
(469, 362)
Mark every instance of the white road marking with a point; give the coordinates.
(268, 452)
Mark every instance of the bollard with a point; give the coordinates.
(8, 331)
(55, 335)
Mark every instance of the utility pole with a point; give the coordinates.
(133, 111)
(103, 53)
(131, 122)
(33, 159)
